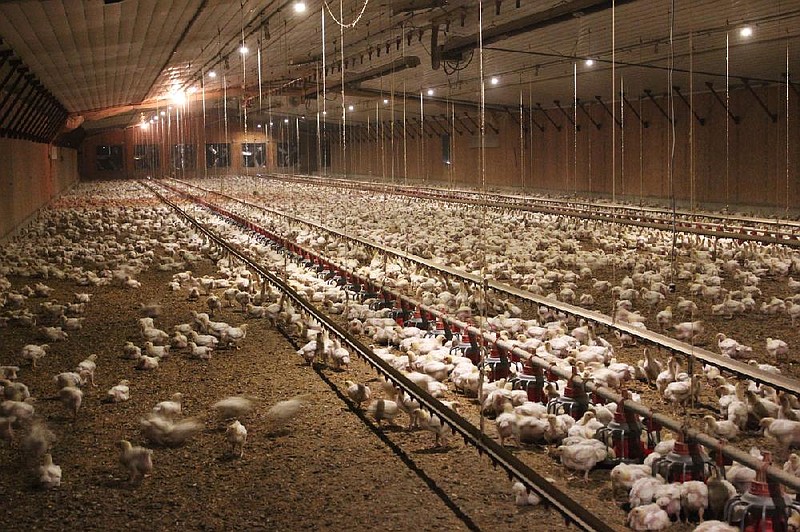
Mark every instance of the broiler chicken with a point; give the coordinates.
(694, 497)
(49, 473)
(71, 398)
(648, 517)
(282, 412)
(383, 409)
(138, 461)
(236, 435)
(171, 407)
(163, 431)
(358, 393)
(34, 352)
(118, 393)
(583, 455)
(233, 407)
(625, 475)
(726, 429)
(523, 497)
(86, 369)
(785, 431)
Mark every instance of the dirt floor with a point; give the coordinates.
(330, 469)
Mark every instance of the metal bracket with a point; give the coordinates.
(539, 106)
(773, 116)
(600, 100)
(701, 121)
(645, 123)
(464, 124)
(571, 121)
(533, 120)
(582, 108)
(735, 119)
(649, 94)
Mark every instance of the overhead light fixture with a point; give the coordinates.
(144, 125)
(430, 92)
(299, 7)
(285, 120)
(243, 50)
(324, 113)
(746, 32)
(350, 107)
(178, 97)
(495, 80)
(385, 101)
(212, 74)
(589, 62)
(163, 113)
(258, 126)
(191, 90)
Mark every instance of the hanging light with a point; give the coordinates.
(589, 62)
(495, 80)
(299, 7)
(243, 50)
(430, 92)
(212, 74)
(385, 101)
(258, 126)
(350, 108)
(746, 32)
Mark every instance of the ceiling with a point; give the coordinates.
(111, 61)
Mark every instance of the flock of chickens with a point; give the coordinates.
(542, 254)
(111, 249)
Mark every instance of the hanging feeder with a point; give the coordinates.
(419, 320)
(530, 379)
(497, 363)
(440, 329)
(624, 435)
(574, 401)
(763, 507)
(687, 461)
(470, 349)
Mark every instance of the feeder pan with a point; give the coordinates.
(763, 507)
(497, 363)
(530, 379)
(686, 462)
(573, 402)
(624, 435)
(439, 330)
(419, 321)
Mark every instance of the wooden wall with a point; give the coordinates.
(31, 175)
(568, 162)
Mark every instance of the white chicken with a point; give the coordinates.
(523, 497)
(233, 407)
(358, 393)
(34, 352)
(202, 352)
(163, 431)
(282, 412)
(785, 431)
(119, 393)
(625, 475)
(648, 517)
(582, 455)
(49, 473)
(86, 369)
(131, 351)
(724, 429)
(688, 331)
(71, 398)
(138, 461)
(171, 407)
(383, 410)
(236, 435)
(694, 497)
(777, 347)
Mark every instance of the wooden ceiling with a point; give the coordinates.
(109, 61)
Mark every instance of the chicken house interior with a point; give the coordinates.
(415, 264)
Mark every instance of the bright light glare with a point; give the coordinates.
(385, 102)
(285, 120)
(350, 107)
(243, 50)
(163, 113)
(191, 90)
(589, 62)
(747, 31)
(144, 125)
(212, 74)
(178, 97)
(259, 126)
(299, 7)
(494, 81)
(430, 92)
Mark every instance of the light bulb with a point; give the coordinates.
(299, 7)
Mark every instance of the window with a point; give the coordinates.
(145, 157)
(218, 155)
(184, 157)
(287, 154)
(109, 158)
(254, 154)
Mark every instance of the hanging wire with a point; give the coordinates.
(575, 128)
(344, 108)
(692, 183)
(203, 88)
(673, 250)
(621, 131)
(786, 212)
(613, 102)
(521, 136)
(324, 95)
(339, 21)
(483, 288)
(727, 121)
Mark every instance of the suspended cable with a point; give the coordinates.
(339, 21)
(613, 104)
(671, 167)
(727, 121)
